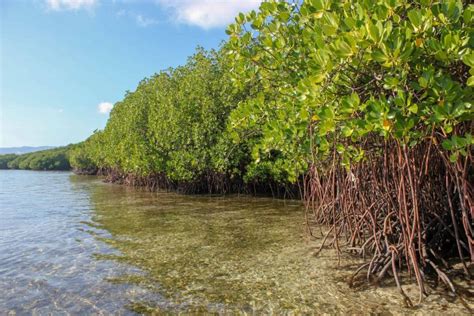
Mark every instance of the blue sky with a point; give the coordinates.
(65, 62)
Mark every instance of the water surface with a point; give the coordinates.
(72, 244)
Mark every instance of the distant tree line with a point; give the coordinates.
(51, 159)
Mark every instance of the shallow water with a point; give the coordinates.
(72, 244)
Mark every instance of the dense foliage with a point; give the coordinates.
(372, 100)
(5, 159)
(350, 69)
(171, 130)
(366, 103)
(51, 159)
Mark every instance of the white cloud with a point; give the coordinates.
(144, 21)
(58, 5)
(104, 107)
(207, 13)
(139, 19)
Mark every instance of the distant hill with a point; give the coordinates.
(22, 150)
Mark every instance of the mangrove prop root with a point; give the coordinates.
(208, 182)
(411, 208)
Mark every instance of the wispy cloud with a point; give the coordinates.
(140, 19)
(58, 5)
(104, 107)
(145, 21)
(207, 13)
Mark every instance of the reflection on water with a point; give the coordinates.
(70, 243)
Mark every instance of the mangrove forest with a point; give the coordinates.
(362, 109)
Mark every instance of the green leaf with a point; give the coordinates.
(448, 128)
(240, 18)
(355, 99)
(390, 83)
(340, 148)
(453, 157)
(415, 18)
(447, 145)
(470, 81)
(343, 49)
(347, 131)
(468, 59)
(317, 4)
(317, 78)
(379, 56)
(413, 109)
(423, 82)
(373, 31)
(330, 24)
